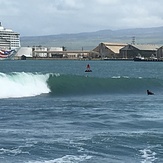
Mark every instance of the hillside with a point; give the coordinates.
(89, 40)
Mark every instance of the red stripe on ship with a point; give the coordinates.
(1, 52)
(4, 56)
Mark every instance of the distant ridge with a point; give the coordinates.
(89, 40)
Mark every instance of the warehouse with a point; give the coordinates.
(145, 50)
(108, 50)
(160, 52)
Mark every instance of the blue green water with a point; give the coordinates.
(54, 112)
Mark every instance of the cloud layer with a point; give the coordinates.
(46, 17)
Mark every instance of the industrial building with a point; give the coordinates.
(24, 51)
(160, 52)
(145, 50)
(126, 51)
(39, 52)
(108, 50)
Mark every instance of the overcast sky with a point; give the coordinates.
(48, 17)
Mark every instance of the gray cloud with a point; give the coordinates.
(45, 17)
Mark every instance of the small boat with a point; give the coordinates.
(153, 57)
(139, 58)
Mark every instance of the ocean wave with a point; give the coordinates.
(10, 151)
(21, 84)
(66, 159)
(83, 85)
(148, 156)
(14, 151)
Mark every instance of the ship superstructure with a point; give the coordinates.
(8, 38)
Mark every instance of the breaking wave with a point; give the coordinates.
(21, 84)
(66, 159)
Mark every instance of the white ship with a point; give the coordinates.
(9, 42)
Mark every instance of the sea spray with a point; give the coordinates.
(21, 84)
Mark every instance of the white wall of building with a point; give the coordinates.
(40, 48)
(27, 51)
(55, 49)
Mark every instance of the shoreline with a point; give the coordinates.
(88, 59)
(79, 59)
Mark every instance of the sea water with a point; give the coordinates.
(54, 112)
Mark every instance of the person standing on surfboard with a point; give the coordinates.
(88, 67)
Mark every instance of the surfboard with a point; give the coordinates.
(149, 92)
(88, 70)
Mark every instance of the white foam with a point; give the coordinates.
(14, 151)
(148, 156)
(65, 159)
(23, 84)
(116, 77)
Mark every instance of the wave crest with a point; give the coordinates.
(78, 85)
(21, 84)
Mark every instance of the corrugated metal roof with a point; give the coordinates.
(114, 44)
(115, 48)
(146, 46)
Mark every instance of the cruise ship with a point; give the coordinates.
(9, 39)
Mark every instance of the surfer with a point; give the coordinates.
(149, 92)
(88, 68)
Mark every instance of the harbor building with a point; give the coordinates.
(24, 51)
(42, 51)
(108, 50)
(39, 52)
(126, 51)
(145, 50)
(55, 52)
(8, 38)
(160, 52)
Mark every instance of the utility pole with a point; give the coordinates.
(133, 40)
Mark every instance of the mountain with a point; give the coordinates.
(89, 40)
